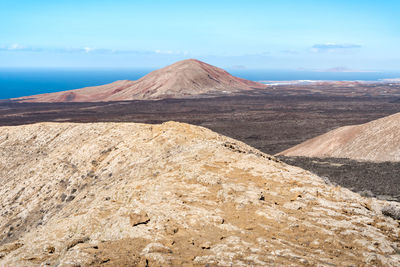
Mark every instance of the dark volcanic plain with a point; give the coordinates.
(380, 180)
(270, 120)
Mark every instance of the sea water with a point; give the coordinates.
(25, 82)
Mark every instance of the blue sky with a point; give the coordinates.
(312, 35)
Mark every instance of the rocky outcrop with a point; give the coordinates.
(185, 78)
(378, 140)
(118, 194)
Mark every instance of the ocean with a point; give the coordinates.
(24, 82)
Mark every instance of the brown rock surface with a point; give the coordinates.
(182, 79)
(119, 194)
(378, 140)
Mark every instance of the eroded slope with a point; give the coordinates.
(173, 194)
(378, 140)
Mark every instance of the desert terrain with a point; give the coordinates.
(199, 133)
(191, 180)
(173, 194)
(271, 120)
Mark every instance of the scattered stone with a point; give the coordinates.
(49, 249)
(63, 197)
(139, 218)
(392, 211)
(206, 245)
(70, 198)
(77, 241)
(366, 193)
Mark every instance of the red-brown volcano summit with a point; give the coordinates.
(182, 79)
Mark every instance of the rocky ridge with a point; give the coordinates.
(118, 194)
(187, 78)
(378, 141)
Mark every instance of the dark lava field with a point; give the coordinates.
(270, 121)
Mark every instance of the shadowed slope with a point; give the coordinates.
(181, 79)
(378, 140)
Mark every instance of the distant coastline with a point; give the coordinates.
(23, 82)
(304, 82)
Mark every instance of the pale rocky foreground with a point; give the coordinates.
(120, 194)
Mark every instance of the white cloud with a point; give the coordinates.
(87, 50)
(171, 52)
(17, 47)
(333, 47)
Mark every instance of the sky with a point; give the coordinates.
(329, 35)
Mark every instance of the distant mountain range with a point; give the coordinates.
(182, 79)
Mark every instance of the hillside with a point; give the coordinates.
(378, 140)
(115, 194)
(185, 78)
